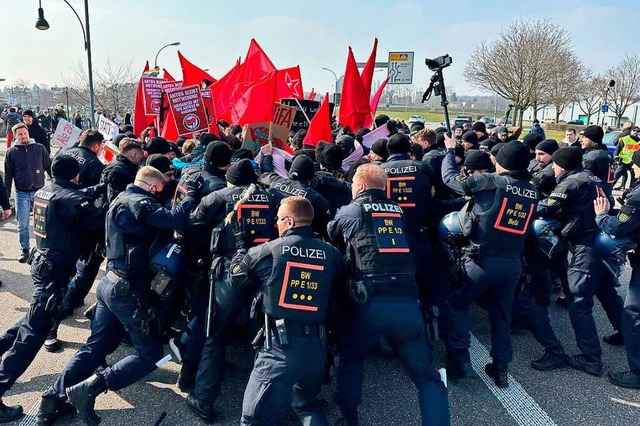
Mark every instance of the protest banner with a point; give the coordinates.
(276, 131)
(109, 152)
(168, 86)
(188, 110)
(152, 91)
(107, 127)
(309, 107)
(381, 132)
(66, 135)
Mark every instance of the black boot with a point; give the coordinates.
(83, 397)
(187, 376)
(10, 413)
(52, 344)
(625, 379)
(616, 339)
(458, 365)
(498, 372)
(550, 361)
(588, 364)
(24, 256)
(205, 412)
(53, 408)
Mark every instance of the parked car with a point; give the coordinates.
(610, 140)
(549, 120)
(416, 119)
(487, 120)
(459, 122)
(576, 122)
(467, 117)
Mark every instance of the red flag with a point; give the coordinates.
(213, 120)
(256, 64)
(312, 95)
(354, 104)
(369, 67)
(169, 129)
(374, 103)
(254, 102)
(140, 120)
(191, 74)
(222, 90)
(290, 83)
(167, 76)
(320, 126)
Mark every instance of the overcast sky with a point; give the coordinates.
(313, 34)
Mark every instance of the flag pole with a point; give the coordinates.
(301, 109)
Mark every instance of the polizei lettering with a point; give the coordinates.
(309, 253)
(290, 190)
(381, 207)
(254, 198)
(400, 170)
(522, 192)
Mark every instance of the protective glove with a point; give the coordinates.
(242, 240)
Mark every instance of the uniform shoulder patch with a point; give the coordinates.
(626, 213)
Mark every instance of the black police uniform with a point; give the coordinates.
(256, 212)
(501, 210)
(385, 303)
(62, 214)
(90, 165)
(282, 188)
(542, 177)
(126, 303)
(200, 180)
(117, 175)
(338, 193)
(571, 203)
(296, 274)
(599, 161)
(627, 223)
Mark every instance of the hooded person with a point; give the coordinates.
(596, 156)
(469, 140)
(158, 145)
(163, 164)
(301, 177)
(330, 179)
(208, 176)
(494, 271)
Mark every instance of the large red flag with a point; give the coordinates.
(374, 102)
(369, 68)
(290, 83)
(192, 74)
(167, 76)
(254, 102)
(354, 104)
(256, 64)
(140, 120)
(222, 90)
(320, 126)
(213, 119)
(169, 129)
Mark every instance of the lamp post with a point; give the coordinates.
(155, 61)
(335, 92)
(42, 24)
(606, 95)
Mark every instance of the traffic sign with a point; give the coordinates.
(400, 68)
(605, 108)
(12, 101)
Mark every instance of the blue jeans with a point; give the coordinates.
(24, 201)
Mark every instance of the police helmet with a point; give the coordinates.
(449, 225)
(169, 260)
(547, 241)
(613, 251)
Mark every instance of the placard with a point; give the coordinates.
(188, 110)
(66, 135)
(257, 134)
(107, 127)
(309, 107)
(151, 92)
(168, 86)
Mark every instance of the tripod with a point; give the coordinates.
(436, 86)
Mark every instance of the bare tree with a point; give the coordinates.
(515, 64)
(567, 74)
(627, 77)
(114, 86)
(590, 94)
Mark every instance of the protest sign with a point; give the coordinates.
(109, 152)
(66, 135)
(280, 159)
(309, 107)
(168, 86)
(188, 110)
(152, 91)
(259, 134)
(381, 132)
(107, 127)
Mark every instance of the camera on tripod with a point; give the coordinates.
(438, 63)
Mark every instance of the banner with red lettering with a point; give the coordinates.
(152, 92)
(188, 110)
(257, 134)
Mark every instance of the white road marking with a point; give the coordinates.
(518, 403)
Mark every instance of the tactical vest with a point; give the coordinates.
(256, 212)
(579, 220)
(503, 227)
(209, 184)
(301, 279)
(48, 228)
(380, 249)
(629, 147)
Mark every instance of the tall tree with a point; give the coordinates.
(589, 95)
(567, 74)
(625, 92)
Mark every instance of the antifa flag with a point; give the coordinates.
(188, 110)
(140, 120)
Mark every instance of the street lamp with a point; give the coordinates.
(335, 92)
(606, 94)
(155, 61)
(42, 24)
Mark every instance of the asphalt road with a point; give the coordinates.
(564, 397)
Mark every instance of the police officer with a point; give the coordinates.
(301, 175)
(496, 222)
(596, 157)
(125, 302)
(241, 202)
(576, 189)
(163, 164)
(330, 179)
(207, 177)
(296, 274)
(628, 145)
(122, 170)
(61, 215)
(86, 153)
(627, 223)
(540, 167)
(384, 298)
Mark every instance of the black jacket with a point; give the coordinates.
(25, 165)
(117, 175)
(4, 195)
(39, 135)
(90, 166)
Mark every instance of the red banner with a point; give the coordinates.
(152, 91)
(188, 110)
(168, 86)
